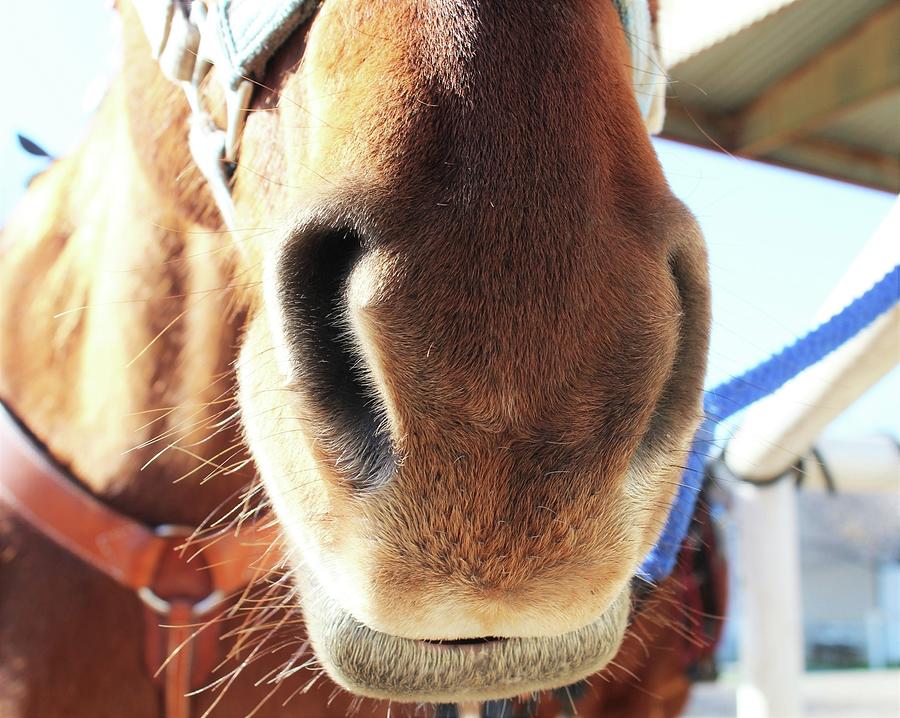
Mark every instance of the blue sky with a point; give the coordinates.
(778, 239)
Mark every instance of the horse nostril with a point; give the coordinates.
(328, 368)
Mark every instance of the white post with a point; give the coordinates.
(773, 434)
(876, 639)
(771, 630)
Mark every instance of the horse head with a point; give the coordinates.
(475, 340)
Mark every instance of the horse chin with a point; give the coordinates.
(384, 666)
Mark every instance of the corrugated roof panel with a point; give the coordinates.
(689, 26)
(728, 75)
(839, 161)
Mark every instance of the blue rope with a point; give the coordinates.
(730, 397)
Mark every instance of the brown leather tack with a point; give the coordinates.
(178, 672)
(182, 586)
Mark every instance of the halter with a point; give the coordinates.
(238, 37)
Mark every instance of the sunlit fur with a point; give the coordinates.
(526, 314)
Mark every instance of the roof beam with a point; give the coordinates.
(850, 164)
(696, 127)
(860, 66)
(828, 159)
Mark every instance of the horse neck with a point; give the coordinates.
(117, 331)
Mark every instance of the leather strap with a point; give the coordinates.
(39, 493)
(177, 674)
(239, 38)
(180, 585)
(122, 548)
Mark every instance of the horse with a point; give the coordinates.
(446, 357)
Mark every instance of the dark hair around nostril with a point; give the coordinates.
(329, 370)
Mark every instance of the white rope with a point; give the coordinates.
(648, 76)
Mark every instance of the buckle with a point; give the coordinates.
(160, 605)
(163, 606)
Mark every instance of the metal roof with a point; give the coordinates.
(810, 84)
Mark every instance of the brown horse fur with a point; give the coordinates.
(469, 323)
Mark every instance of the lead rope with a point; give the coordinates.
(726, 399)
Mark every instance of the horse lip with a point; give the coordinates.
(470, 644)
(380, 665)
(463, 648)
